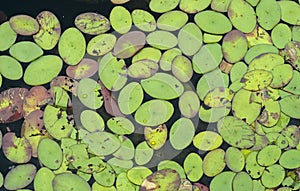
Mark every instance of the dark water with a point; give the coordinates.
(66, 11)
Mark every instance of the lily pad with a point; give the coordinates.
(193, 6)
(167, 58)
(142, 69)
(25, 51)
(222, 181)
(290, 12)
(192, 166)
(167, 22)
(273, 176)
(242, 181)
(143, 153)
(269, 155)
(85, 69)
(235, 160)
(120, 19)
(289, 106)
(214, 162)
(162, 40)
(91, 121)
(257, 79)
(207, 140)
(24, 25)
(290, 159)
(43, 179)
(156, 137)
(137, 174)
(281, 35)
(106, 177)
(50, 30)
(161, 6)
(258, 50)
(189, 104)
(68, 182)
(10, 68)
(10, 36)
(92, 23)
(268, 13)
(50, 153)
(252, 167)
(101, 44)
(120, 125)
(143, 20)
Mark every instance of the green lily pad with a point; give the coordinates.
(182, 68)
(281, 35)
(112, 72)
(68, 182)
(17, 150)
(236, 132)
(257, 79)
(207, 58)
(50, 153)
(235, 160)
(189, 104)
(1, 180)
(161, 6)
(126, 150)
(10, 36)
(193, 6)
(122, 183)
(220, 6)
(214, 162)
(222, 181)
(167, 58)
(268, 14)
(292, 135)
(234, 46)
(296, 33)
(239, 13)
(273, 176)
(106, 177)
(266, 61)
(161, 180)
(192, 166)
(258, 36)
(101, 44)
(25, 51)
(147, 53)
(98, 187)
(162, 40)
(143, 153)
(120, 125)
(218, 97)
(289, 105)
(43, 179)
(109, 143)
(50, 30)
(190, 39)
(153, 85)
(252, 167)
(72, 46)
(57, 123)
(258, 50)
(237, 71)
(282, 75)
(290, 12)
(211, 38)
(24, 25)
(156, 137)
(181, 133)
(242, 181)
(207, 140)
(269, 155)
(214, 114)
(167, 22)
(130, 98)
(10, 68)
(91, 121)
(120, 19)
(48, 65)
(89, 93)
(92, 23)
(137, 174)
(143, 20)
(25, 174)
(290, 159)
(119, 165)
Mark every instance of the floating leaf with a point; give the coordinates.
(181, 133)
(86, 68)
(268, 13)
(222, 181)
(290, 12)
(122, 183)
(167, 58)
(207, 58)
(269, 155)
(72, 46)
(11, 101)
(213, 22)
(106, 177)
(91, 121)
(172, 165)
(43, 179)
(189, 104)
(252, 167)
(239, 13)
(147, 53)
(182, 68)
(69, 181)
(192, 166)
(214, 162)
(258, 50)
(290, 159)
(120, 125)
(92, 23)
(167, 22)
(137, 174)
(143, 20)
(235, 160)
(258, 36)
(218, 97)
(211, 38)
(157, 137)
(89, 93)
(25, 174)
(120, 19)
(17, 150)
(220, 6)
(162, 180)
(10, 36)
(193, 6)
(273, 176)
(162, 40)
(50, 30)
(49, 65)
(207, 140)
(214, 114)
(126, 150)
(236, 132)
(24, 25)
(242, 181)
(282, 75)
(10, 68)
(290, 106)
(143, 153)
(281, 35)
(161, 6)
(25, 51)
(257, 79)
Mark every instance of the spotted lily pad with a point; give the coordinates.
(182, 68)
(86, 68)
(252, 167)
(214, 162)
(236, 132)
(92, 23)
(162, 180)
(16, 149)
(120, 125)
(207, 140)
(143, 20)
(218, 97)
(156, 137)
(120, 19)
(89, 93)
(101, 44)
(257, 79)
(49, 32)
(142, 69)
(192, 166)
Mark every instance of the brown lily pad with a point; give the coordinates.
(16, 149)
(11, 101)
(86, 68)
(66, 83)
(129, 44)
(33, 130)
(35, 99)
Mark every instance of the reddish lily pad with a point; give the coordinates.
(86, 68)
(65, 83)
(11, 101)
